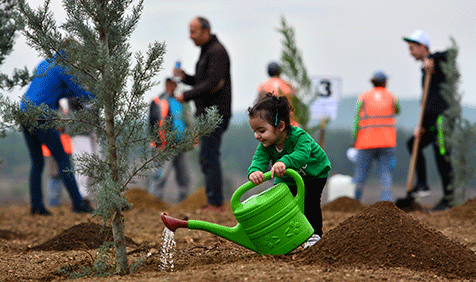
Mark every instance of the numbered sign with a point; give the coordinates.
(329, 89)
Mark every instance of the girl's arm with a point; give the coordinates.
(256, 177)
(301, 153)
(278, 169)
(260, 160)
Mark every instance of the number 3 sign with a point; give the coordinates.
(329, 91)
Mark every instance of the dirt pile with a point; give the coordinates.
(10, 235)
(139, 198)
(466, 211)
(83, 236)
(194, 201)
(344, 204)
(383, 236)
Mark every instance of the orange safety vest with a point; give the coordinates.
(164, 111)
(278, 87)
(376, 120)
(66, 141)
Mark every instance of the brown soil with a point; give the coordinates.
(360, 243)
(343, 204)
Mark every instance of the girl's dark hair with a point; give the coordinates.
(272, 109)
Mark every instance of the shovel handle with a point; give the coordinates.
(236, 198)
(416, 140)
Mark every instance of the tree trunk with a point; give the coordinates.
(119, 243)
(109, 110)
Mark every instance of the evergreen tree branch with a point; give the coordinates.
(458, 132)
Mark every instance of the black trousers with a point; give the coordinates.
(444, 166)
(313, 188)
(211, 165)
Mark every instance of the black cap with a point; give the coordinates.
(274, 69)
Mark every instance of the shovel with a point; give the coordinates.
(408, 203)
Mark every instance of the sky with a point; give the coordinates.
(348, 39)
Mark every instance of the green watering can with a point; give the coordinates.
(271, 222)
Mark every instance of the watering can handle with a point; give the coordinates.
(236, 198)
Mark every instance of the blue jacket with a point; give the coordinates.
(50, 84)
(175, 112)
(178, 119)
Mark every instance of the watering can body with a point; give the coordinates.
(271, 222)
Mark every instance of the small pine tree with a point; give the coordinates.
(458, 132)
(295, 71)
(95, 40)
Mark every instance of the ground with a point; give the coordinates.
(377, 242)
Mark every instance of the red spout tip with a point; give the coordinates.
(172, 223)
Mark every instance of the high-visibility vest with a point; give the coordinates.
(66, 141)
(164, 111)
(376, 127)
(278, 87)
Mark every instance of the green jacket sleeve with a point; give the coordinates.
(301, 153)
(397, 104)
(356, 120)
(260, 160)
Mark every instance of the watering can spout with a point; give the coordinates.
(234, 234)
(172, 223)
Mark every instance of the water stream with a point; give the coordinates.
(167, 249)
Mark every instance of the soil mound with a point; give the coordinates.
(194, 201)
(10, 235)
(141, 199)
(466, 211)
(383, 236)
(344, 204)
(84, 236)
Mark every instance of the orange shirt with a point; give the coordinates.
(278, 87)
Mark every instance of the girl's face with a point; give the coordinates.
(267, 134)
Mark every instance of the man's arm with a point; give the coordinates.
(215, 76)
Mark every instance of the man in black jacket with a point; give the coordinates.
(431, 131)
(211, 87)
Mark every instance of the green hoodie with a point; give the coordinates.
(300, 153)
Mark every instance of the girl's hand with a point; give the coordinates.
(257, 177)
(279, 168)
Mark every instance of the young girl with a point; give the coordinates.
(287, 146)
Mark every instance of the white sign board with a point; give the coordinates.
(329, 89)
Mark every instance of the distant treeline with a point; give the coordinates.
(238, 148)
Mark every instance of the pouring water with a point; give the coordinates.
(167, 249)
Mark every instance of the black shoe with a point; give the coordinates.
(87, 202)
(85, 207)
(420, 191)
(443, 205)
(41, 211)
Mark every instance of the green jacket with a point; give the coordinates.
(300, 153)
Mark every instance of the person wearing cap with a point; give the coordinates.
(277, 86)
(163, 107)
(375, 135)
(431, 129)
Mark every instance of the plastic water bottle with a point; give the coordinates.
(178, 65)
